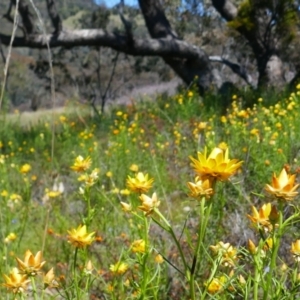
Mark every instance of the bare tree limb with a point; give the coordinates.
(127, 24)
(2, 53)
(7, 14)
(236, 68)
(54, 16)
(98, 37)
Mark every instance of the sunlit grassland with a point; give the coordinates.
(158, 137)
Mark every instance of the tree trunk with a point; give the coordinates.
(261, 40)
(198, 69)
(271, 72)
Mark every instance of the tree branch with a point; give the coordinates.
(127, 24)
(54, 16)
(7, 14)
(236, 68)
(119, 42)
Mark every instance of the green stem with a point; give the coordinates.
(275, 248)
(144, 260)
(74, 273)
(33, 288)
(88, 200)
(169, 229)
(204, 217)
(256, 278)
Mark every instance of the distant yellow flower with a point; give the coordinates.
(4, 193)
(16, 282)
(283, 187)
(125, 192)
(63, 118)
(223, 119)
(138, 246)
(217, 166)
(81, 164)
(52, 193)
(227, 253)
(119, 268)
(11, 237)
(200, 188)
(202, 125)
(148, 204)
(262, 219)
(25, 169)
(80, 238)
(109, 174)
(134, 168)
(140, 183)
(126, 207)
(223, 146)
(159, 259)
(90, 179)
(190, 94)
(295, 250)
(31, 265)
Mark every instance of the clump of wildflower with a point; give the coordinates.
(13, 200)
(52, 193)
(295, 250)
(119, 268)
(134, 168)
(265, 218)
(31, 265)
(80, 238)
(149, 204)
(138, 246)
(16, 282)
(200, 188)
(90, 179)
(216, 166)
(25, 168)
(283, 187)
(227, 253)
(81, 164)
(140, 183)
(126, 207)
(159, 259)
(10, 238)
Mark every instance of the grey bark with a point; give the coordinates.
(263, 44)
(197, 68)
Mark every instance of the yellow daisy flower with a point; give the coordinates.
(31, 265)
(80, 238)
(81, 164)
(16, 282)
(216, 166)
(283, 187)
(140, 183)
